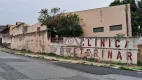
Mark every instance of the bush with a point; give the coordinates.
(139, 63)
(120, 35)
(91, 60)
(51, 54)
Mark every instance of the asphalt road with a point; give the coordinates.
(13, 67)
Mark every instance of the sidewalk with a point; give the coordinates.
(72, 60)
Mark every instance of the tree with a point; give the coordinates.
(59, 23)
(116, 2)
(69, 26)
(50, 19)
(135, 14)
(140, 15)
(120, 35)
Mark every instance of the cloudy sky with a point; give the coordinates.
(26, 11)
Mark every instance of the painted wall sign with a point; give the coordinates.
(104, 49)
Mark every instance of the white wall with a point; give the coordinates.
(104, 49)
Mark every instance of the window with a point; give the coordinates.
(38, 28)
(99, 29)
(115, 27)
(24, 29)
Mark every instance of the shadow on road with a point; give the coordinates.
(98, 70)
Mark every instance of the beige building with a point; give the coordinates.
(101, 22)
(20, 28)
(106, 22)
(35, 28)
(31, 38)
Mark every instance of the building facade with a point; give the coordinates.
(106, 22)
(20, 28)
(2, 27)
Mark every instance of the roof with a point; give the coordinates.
(96, 8)
(5, 30)
(26, 24)
(2, 27)
(19, 23)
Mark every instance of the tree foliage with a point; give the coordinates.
(59, 23)
(69, 26)
(120, 35)
(116, 2)
(136, 11)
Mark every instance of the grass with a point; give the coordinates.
(140, 68)
(125, 68)
(82, 62)
(111, 65)
(67, 57)
(41, 57)
(117, 63)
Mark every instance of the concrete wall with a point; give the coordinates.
(34, 27)
(105, 17)
(17, 30)
(6, 39)
(36, 42)
(11, 29)
(31, 40)
(104, 49)
(0, 35)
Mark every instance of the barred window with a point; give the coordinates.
(38, 29)
(25, 29)
(98, 29)
(115, 27)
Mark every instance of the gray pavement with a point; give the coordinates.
(14, 67)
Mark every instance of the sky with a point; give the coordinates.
(12, 11)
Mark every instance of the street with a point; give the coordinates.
(16, 67)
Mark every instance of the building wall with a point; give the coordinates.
(17, 30)
(0, 35)
(31, 40)
(105, 17)
(6, 39)
(36, 42)
(2, 27)
(34, 27)
(11, 29)
(101, 48)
